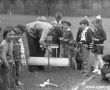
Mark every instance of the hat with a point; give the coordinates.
(96, 20)
(67, 22)
(41, 18)
(84, 21)
(99, 17)
(58, 15)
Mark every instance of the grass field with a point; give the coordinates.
(63, 76)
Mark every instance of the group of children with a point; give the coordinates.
(87, 40)
(12, 56)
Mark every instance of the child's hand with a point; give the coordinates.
(23, 60)
(61, 38)
(94, 39)
(65, 40)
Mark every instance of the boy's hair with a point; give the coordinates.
(99, 22)
(21, 27)
(6, 30)
(84, 21)
(106, 58)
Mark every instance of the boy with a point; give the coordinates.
(99, 37)
(85, 40)
(105, 70)
(68, 45)
(18, 50)
(6, 56)
(65, 39)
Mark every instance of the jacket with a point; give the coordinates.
(84, 36)
(6, 55)
(99, 34)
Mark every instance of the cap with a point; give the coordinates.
(99, 17)
(41, 18)
(67, 22)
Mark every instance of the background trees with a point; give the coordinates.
(50, 7)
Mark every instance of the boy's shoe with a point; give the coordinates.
(97, 71)
(85, 73)
(19, 83)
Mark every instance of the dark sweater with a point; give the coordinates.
(78, 37)
(67, 34)
(99, 34)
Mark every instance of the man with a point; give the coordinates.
(57, 20)
(57, 28)
(37, 33)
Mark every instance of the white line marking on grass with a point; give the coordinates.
(83, 83)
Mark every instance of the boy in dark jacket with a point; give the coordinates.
(84, 37)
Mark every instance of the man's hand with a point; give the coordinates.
(42, 44)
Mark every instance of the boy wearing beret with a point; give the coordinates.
(99, 37)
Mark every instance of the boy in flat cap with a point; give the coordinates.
(68, 44)
(66, 37)
(84, 37)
